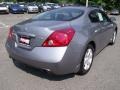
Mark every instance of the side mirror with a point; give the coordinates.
(112, 18)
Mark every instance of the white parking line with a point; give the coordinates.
(3, 25)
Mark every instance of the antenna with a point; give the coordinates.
(87, 3)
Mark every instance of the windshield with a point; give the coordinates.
(50, 4)
(15, 5)
(63, 14)
(31, 4)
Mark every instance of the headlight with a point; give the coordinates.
(14, 9)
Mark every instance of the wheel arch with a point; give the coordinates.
(116, 29)
(93, 44)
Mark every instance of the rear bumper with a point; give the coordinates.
(51, 59)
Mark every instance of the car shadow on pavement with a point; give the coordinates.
(4, 13)
(42, 73)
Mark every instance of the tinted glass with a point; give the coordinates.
(94, 16)
(31, 4)
(64, 14)
(15, 5)
(98, 16)
(105, 17)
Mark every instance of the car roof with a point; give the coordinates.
(83, 8)
(15, 4)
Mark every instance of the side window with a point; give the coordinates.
(94, 17)
(105, 17)
(98, 16)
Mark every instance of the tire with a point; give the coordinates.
(28, 12)
(87, 60)
(113, 38)
(41, 10)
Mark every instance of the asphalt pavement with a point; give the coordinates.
(104, 74)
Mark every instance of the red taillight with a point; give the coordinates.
(10, 33)
(59, 38)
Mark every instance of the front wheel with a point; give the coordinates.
(87, 60)
(41, 10)
(113, 38)
(28, 11)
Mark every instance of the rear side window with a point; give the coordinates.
(94, 18)
(98, 16)
(105, 17)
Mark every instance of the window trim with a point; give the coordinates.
(99, 11)
(108, 19)
(95, 10)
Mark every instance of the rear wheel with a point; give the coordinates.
(87, 60)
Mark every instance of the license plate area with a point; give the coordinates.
(24, 40)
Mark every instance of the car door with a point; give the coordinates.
(97, 32)
(106, 28)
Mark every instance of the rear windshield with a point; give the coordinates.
(63, 14)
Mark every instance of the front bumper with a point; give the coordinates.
(17, 11)
(33, 11)
(50, 59)
(4, 11)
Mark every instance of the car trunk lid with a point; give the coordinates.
(30, 34)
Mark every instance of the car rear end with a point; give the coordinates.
(40, 49)
(48, 45)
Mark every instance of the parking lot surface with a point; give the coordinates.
(104, 74)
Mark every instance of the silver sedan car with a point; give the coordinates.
(62, 41)
(32, 8)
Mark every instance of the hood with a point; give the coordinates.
(32, 7)
(3, 8)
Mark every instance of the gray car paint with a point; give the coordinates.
(59, 60)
